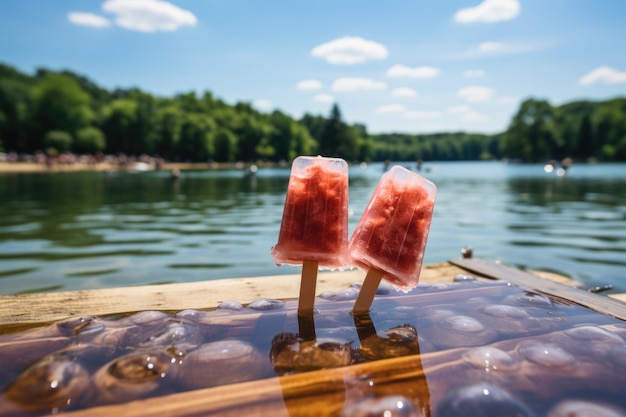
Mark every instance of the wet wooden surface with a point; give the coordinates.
(287, 396)
(48, 307)
(533, 282)
(280, 396)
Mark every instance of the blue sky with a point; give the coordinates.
(402, 66)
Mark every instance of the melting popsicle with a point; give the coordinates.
(390, 238)
(314, 229)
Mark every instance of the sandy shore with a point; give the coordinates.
(32, 167)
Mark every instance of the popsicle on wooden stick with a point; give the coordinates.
(314, 229)
(390, 238)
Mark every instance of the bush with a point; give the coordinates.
(89, 140)
(58, 140)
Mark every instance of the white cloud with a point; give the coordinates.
(404, 92)
(460, 109)
(391, 108)
(88, 19)
(477, 73)
(149, 15)
(468, 114)
(350, 50)
(606, 75)
(507, 100)
(356, 84)
(417, 114)
(490, 47)
(408, 72)
(476, 93)
(324, 98)
(474, 116)
(489, 11)
(309, 85)
(401, 110)
(500, 48)
(262, 104)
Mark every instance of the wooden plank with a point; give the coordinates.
(292, 395)
(531, 282)
(281, 396)
(621, 297)
(47, 307)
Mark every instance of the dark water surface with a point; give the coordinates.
(71, 231)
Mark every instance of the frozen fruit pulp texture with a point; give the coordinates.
(315, 217)
(392, 233)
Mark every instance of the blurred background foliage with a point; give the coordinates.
(60, 111)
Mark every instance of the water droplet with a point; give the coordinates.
(264, 304)
(230, 305)
(389, 406)
(505, 312)
(593, 334)
(546, 354)
(481, 400)
(579, 408)
(464, 324)
(491, 359)
(463, 278)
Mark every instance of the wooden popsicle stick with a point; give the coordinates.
(364, 326)
(308, 281)
(306, 327)
(368, 291)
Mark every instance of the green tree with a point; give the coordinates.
(57, 141)
(225, 143)
(586, 141)
(314, 124)
(280, 137)
(610, 122)
(169, 119)
(14, 119)
(532, 135)
(251, 132)
(337, 138)
(197, 137)
(89, 140)
(120, 125)
(147, 135)
(59, 104)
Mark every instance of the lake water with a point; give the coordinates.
(71, 231)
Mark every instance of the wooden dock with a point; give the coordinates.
(279, 396)
(48, 307)
(36, 308)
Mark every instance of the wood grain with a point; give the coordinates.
(35, 308)
(532, 282)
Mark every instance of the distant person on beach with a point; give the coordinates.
(566, 163)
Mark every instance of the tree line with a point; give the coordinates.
(66, 112)
(537, 132)
(60, 111)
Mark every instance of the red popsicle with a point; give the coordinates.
(314, 229)
(391, 236)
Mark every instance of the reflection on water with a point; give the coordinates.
(91, 230)
(470, 348)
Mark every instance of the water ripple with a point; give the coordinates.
(88, 230)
